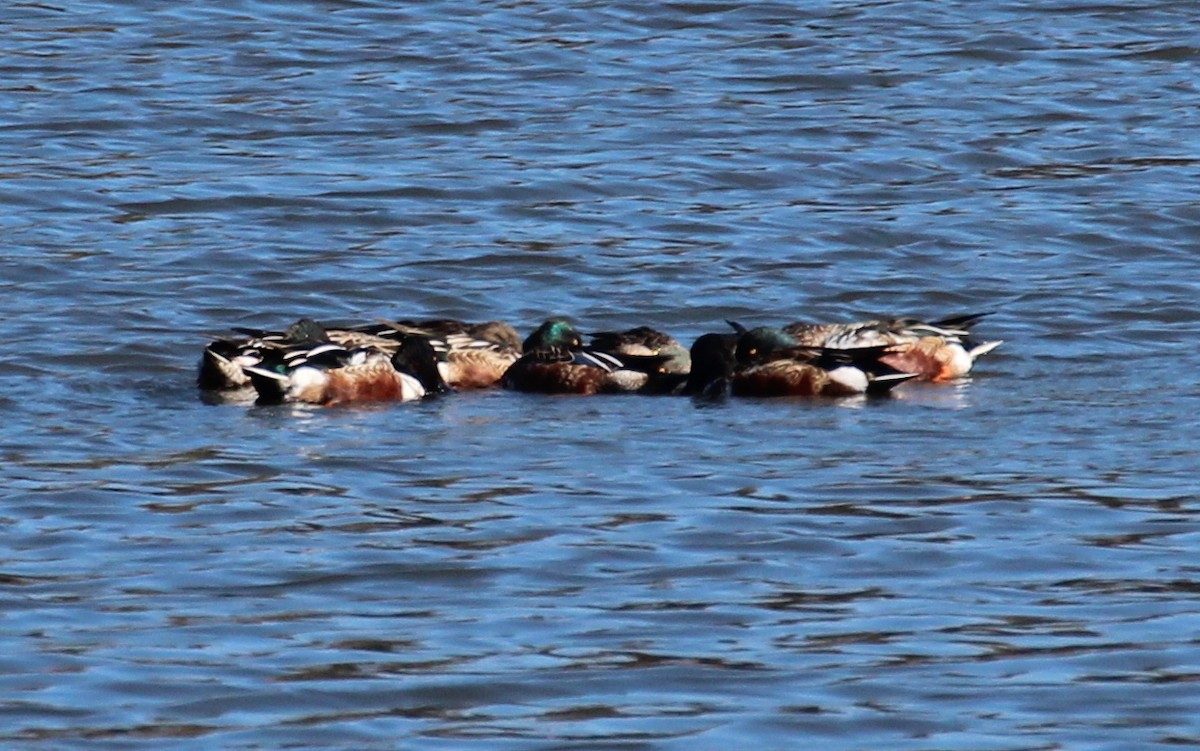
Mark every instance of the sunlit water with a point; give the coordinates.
(1007, 563)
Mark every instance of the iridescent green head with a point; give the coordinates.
(556, 332)
(757, 345)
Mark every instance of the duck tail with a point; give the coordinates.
(983, 349)
(217, 371)
(883, 384)
(961, 322)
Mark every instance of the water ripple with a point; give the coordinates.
(1002, 563)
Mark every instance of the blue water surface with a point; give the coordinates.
(1003, 563)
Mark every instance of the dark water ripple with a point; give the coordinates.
(1003, 564)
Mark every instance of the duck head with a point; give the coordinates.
(712, 368)
(417, 357)
(759, 344)
(555, 332)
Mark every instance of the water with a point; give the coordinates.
(1003, 564)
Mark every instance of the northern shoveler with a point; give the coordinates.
(938, 351)
(471, 355)
(224, 359)
(644, 341)
(494, 332)
(660, 356)
(770, 362)
(712, 367)
(555, 361)
(331, 374)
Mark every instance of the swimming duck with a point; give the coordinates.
(224, 359)
(770, 362)
(331, 374)
(498, 333)
(644, 341)
(712, 368)
(471, 355)
(555, 361)
(660, 356)
(938, 351)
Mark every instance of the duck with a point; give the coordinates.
(940, 351)
(771, 362)
(471, 355)
(555, 361)
(499, 333)
(643, 341)
(713, 363)
(660, 356)
(330, 374)
(223, 362)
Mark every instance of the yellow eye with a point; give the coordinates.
(753, 351)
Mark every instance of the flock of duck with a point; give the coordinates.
(406, 360)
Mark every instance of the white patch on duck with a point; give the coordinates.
(850, 378)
